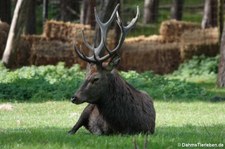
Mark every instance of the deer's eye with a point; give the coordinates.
(94, 80)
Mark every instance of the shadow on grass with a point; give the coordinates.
(51, 137)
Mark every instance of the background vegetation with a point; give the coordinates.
(45, 83)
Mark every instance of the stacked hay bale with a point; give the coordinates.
(57, 43)
(4, 30)
(177, 42)
(172, 30)
(198, 42)
(63, 31)
(150, 53)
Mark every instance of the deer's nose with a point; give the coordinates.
(74, 99)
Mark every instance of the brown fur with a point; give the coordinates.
(115, 106)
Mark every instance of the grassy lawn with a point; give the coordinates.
(38, 125)
(35, 111)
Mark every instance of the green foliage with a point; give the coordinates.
(59, 83)
(39, 83)
(204, 67)
(160, 87)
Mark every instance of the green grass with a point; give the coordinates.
(41, 113)
(38, 125)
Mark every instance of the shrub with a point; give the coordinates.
(160, 87)
(40, 83)
(59, 83)
(204, 67)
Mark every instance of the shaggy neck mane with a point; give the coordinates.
(120, 102)
(120, 90)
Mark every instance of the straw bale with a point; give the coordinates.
(23, 52)
(171, 30)
(142, 56)
(44, 51)
(199, 42)
(188, 50)
(51, 52)
(4, 27)
(209, 35)
(64, 31)
(152, 39)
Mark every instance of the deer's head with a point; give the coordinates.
(97, 83)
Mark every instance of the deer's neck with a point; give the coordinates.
(120, 97)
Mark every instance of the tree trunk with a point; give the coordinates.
(210, 14)
(45, 10)
(87, 13)
(106, 9)
(31, 19)
(177, 9)
(69, 10)
(17, 26)
(220, 18)
(151, 11)
(5, 11)
(221, 73)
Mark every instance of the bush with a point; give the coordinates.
(59, 83)
(40, 83)
(204, 67)
(160, 87)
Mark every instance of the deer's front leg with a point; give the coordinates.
(83, 120)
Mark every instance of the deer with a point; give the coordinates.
(114, 106)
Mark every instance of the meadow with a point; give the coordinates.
(36, 112)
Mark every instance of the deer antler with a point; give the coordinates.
(95, 58)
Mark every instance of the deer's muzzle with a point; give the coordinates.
(74, 99)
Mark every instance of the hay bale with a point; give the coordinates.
(44, 51)
(171, 30)
(203, 35)
(57, 30)
(4, 27)
(199, 42)
(189, 50)
(51, 52)
(152, 38)
(155, 56)
(4, 30)
(23, 52)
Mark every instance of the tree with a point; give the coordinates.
(17, 26)
(31, 19)
(5, 11)
(221, 67)
(69, 10)
(106, 9)
(45, 10)
(221, 73)
(150, 11)
(87, 12)
(177, 9)
(210, 14)
(220, 18)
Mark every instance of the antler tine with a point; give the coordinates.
(131, 24)
(96, 51)
(82, 56)
(104, 28)
(85, 41)
(124, 30)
